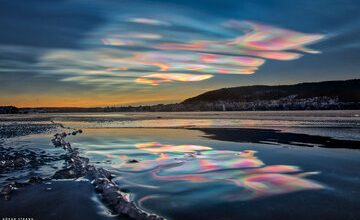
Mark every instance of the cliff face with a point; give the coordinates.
(342, 91)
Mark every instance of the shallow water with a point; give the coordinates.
(193, 168)
(342, 124)
(182, 175)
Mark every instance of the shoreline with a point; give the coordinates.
(100, 178)
(285, 115)
(77, 167)
(112, 195)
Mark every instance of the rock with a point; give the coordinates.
(20, 161)
(35, 180)
(132, 161)
(68, 173)
(56, 142)
(7, 190)
(104, 173)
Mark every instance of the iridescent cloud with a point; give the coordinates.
(148, 21)
(157, 78)
(116, 42)
(138, 35)
(161, 53)
(263, 37)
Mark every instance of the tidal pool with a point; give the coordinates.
(186, 174)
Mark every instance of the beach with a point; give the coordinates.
(213, 165)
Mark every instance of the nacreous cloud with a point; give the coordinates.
(151, 51)
(148, 21)
(157, 78)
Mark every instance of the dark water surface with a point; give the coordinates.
(261, 165)
(180, 174)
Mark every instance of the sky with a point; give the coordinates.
(57, 53)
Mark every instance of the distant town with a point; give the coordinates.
(330, 95)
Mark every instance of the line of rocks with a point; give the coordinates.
(111, 194)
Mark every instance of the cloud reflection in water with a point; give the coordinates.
(196, 164)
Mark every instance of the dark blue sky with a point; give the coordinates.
(88, 53)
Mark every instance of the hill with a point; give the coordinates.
(328, 95)
(343, 91)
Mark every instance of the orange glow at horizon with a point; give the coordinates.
(91, 100)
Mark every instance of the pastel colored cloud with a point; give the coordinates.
(264, 37)
(157, 78)
(163, 53)
(148, 21)
(117, 42)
